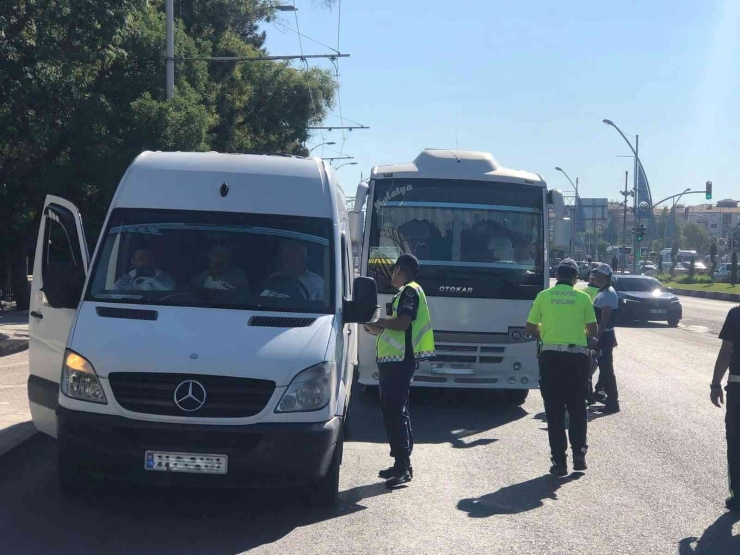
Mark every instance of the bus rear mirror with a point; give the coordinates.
(561, 234)
(356, 227)
(364, 301)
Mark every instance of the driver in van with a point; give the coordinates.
(294, 263)
(220, 274)
(144, 276)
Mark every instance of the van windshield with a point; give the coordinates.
(215, 259)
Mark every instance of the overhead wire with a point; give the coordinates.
(306, 68)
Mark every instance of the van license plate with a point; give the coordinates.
(194, 463)
(657, 311)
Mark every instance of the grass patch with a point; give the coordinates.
(716, 288)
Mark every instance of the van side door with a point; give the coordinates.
(59, 272)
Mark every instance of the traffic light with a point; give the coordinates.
(640, 232)
(709, 190)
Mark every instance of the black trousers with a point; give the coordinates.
(395, 382)
(607, 378)
(732, 426)
(564, 383)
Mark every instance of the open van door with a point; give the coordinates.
(59, 272)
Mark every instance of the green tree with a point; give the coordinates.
(713, 258)
(601, 247)
(733, 269)
(82, 93)
(695, 237)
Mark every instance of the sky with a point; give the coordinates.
(530, 82)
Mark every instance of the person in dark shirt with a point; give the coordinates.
(729, 357)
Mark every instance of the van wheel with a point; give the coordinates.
(516, 397)
(325, 493)
(73, 478)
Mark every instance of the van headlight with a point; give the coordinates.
(79, 380)
(310, 390)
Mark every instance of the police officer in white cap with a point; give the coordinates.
(606, 305)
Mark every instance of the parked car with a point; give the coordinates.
(723, 273)
(584, 270)
(646, 266)
(644, 298)
(699, 267)
(680, 270)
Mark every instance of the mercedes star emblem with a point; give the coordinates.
(190, 395)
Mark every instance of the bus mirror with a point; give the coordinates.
(561, 234)
(355, 227)
(364, 303)
(361, 196)
(555, 198)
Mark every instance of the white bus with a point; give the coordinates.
(481, 234)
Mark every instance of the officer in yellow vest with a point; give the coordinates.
(563, 318)
(591, 289)
(404, 338)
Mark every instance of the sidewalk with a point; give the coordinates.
(13, 332)
(15, 416)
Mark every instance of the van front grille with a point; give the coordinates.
(225, 397)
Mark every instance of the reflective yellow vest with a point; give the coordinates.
(391, 344)
(592, 291)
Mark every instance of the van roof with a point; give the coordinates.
(456, 164)
(266, 184)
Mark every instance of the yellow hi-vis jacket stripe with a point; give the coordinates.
(391, 344)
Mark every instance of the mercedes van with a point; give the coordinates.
(211, 339)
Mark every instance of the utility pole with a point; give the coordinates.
(575, 220)
(624, 224)
(169, 63)
(635, 245)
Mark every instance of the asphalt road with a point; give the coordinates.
(656, 481)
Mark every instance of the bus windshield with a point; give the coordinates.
(472, 238)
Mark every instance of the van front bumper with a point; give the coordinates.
(260, 455)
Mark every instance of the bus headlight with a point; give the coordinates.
(310, 390)
(79, 380)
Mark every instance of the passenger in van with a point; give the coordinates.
(144, 276)
(220, 274)
(294, 264)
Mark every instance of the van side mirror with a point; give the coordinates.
(364, 303)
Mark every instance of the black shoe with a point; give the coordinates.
(391, 470)
(610, 409)
(400, 477)
(559, 468)
(733, 504)
(599, 396)
(579, 462)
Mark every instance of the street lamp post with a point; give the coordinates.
(330, 143)
(574, 231)
(345, 164)
(638, 167)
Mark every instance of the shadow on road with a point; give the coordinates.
(438, 416)
(518, 498)
(716, 540)
(118, 518)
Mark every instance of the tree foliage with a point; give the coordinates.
(695, 237)
(82, 93)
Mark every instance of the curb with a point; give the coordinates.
(12, 437)
(12, 346)
(731, 297)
